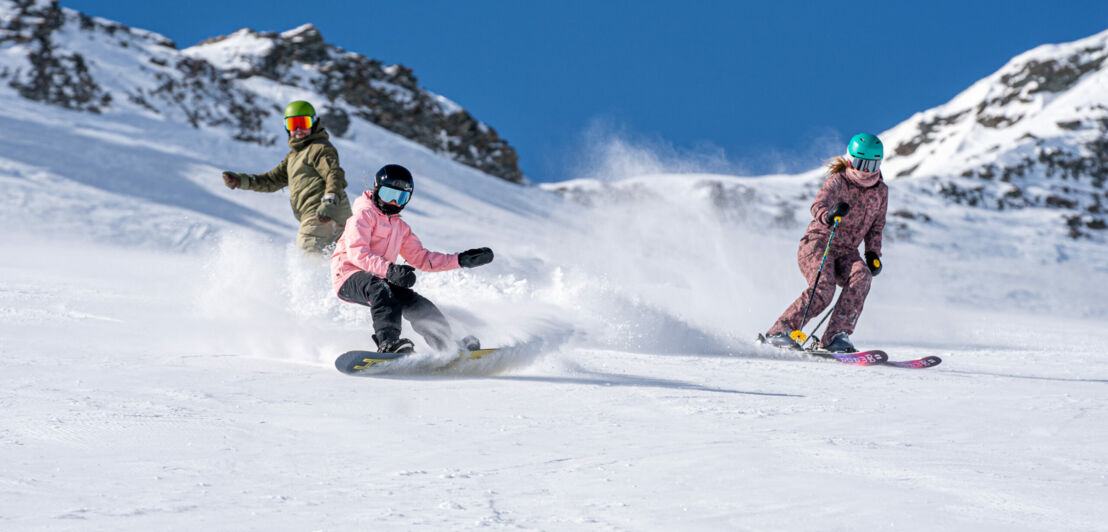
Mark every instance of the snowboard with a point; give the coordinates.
(360, 362)
(354, 362)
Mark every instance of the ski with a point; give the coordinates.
(919, 363)
(864, 358)
(875, 357)
(861, 358)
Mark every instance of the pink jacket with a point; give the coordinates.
(372, 240)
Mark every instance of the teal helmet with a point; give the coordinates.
(865, 152)
(866, 146)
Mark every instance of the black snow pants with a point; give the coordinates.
(388, 302)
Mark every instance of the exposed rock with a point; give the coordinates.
(1058, 163)
(908, 215)
(201, 93)
(926, 133)
(335, 119)
(731, 201)
(1054, 76)
(204, 94)
(1080, 225)
(54, 77)
(1084, 168)
(389, 96)
(1035, 77)
(907, 171)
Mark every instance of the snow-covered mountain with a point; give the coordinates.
(239, 82)
(1032, 134)
(167, 354)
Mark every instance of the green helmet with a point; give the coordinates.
(866, 146)
(299, 108)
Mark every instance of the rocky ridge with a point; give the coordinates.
(1033, 134)
(61, 57)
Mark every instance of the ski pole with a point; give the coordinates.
(816, 328)
(798, 335)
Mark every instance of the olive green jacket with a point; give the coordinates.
(310, 170)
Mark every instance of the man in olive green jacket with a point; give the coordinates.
(317, 184)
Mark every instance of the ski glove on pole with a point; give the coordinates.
(401, 275)
(231, 180)
(327, 208)
(839, 210)
(873, 262)
(475, 257)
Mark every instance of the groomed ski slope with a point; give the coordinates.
(166, 356)
(125, 409)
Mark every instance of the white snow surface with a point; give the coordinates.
(167, 354)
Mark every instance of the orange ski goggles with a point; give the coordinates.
(302, 122)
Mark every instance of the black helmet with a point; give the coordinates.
(398, 187)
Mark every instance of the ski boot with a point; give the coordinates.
(781, 340)
(840, 343)
(469, 343)
(400, 345)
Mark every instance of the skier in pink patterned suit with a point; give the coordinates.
(855, 192)
(364, 268)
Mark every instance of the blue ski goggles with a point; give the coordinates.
(394, 195)
(864, 165)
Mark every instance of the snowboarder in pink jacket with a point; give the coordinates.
(856, 194)
(364, 268)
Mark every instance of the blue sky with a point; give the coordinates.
(771, 85)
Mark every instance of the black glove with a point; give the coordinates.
(401, 275)
(873, 262)
(475, 257)
(231, 180)
(839, 210)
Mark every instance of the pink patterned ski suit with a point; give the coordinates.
(844, 265)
